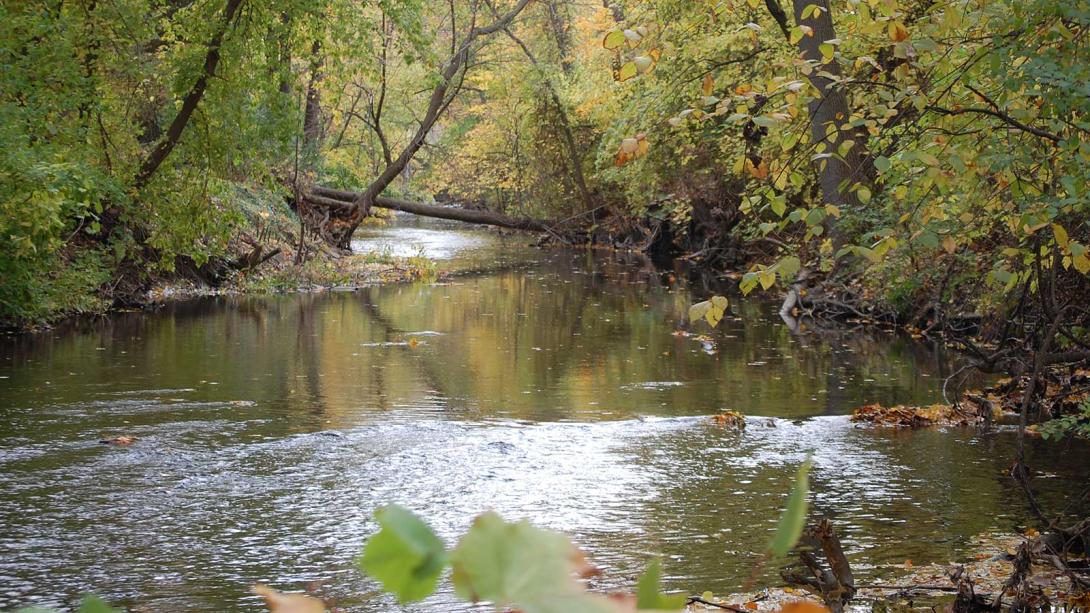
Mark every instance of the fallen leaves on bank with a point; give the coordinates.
(987, 575)
(1059, 393)
(975, 408)
(902, 416)
(768, 600)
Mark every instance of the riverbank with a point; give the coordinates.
(981, 581)
(263, 255)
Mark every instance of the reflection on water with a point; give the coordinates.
(433, 238)
(548, 385)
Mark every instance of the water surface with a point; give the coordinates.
(545, 384)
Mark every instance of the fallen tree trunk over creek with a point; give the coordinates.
(342, 204)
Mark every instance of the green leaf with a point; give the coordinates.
(778, 206)
(627, 71)
(927, 158)
(748, 283)
(516, 565)
(613, 40)
(405, 556)
(815, 217)
(794, 516)
(928, 239)
(94, 604)
(789, 267)
(882, 163)
(647, 591)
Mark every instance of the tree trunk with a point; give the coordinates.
(560, 32)
(189, 104)
(312, 115)
(835, 175)
(344, 201)
(436, 104)
(284, 54)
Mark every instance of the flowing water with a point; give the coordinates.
(544, 384)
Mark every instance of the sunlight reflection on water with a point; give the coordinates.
(543, 384)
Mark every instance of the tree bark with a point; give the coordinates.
(189, 104)
(560, 32)
(312, 115)
(835, 175)
(345, 201)
(284, 54)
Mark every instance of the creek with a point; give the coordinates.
(544, 384)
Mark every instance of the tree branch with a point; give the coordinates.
(192, 99)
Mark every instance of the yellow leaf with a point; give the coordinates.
(949, 244)
(708, 85)
(767, 278)
(740, 165)
(1060, 234)
(760, 171)
(897, 31)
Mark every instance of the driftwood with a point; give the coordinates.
(344, 202)
(1052, 549)
(832, 578)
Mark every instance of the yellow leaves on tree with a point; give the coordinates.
(897, 32)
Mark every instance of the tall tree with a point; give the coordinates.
(830, 112)
(441, 96)
(192, 99)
